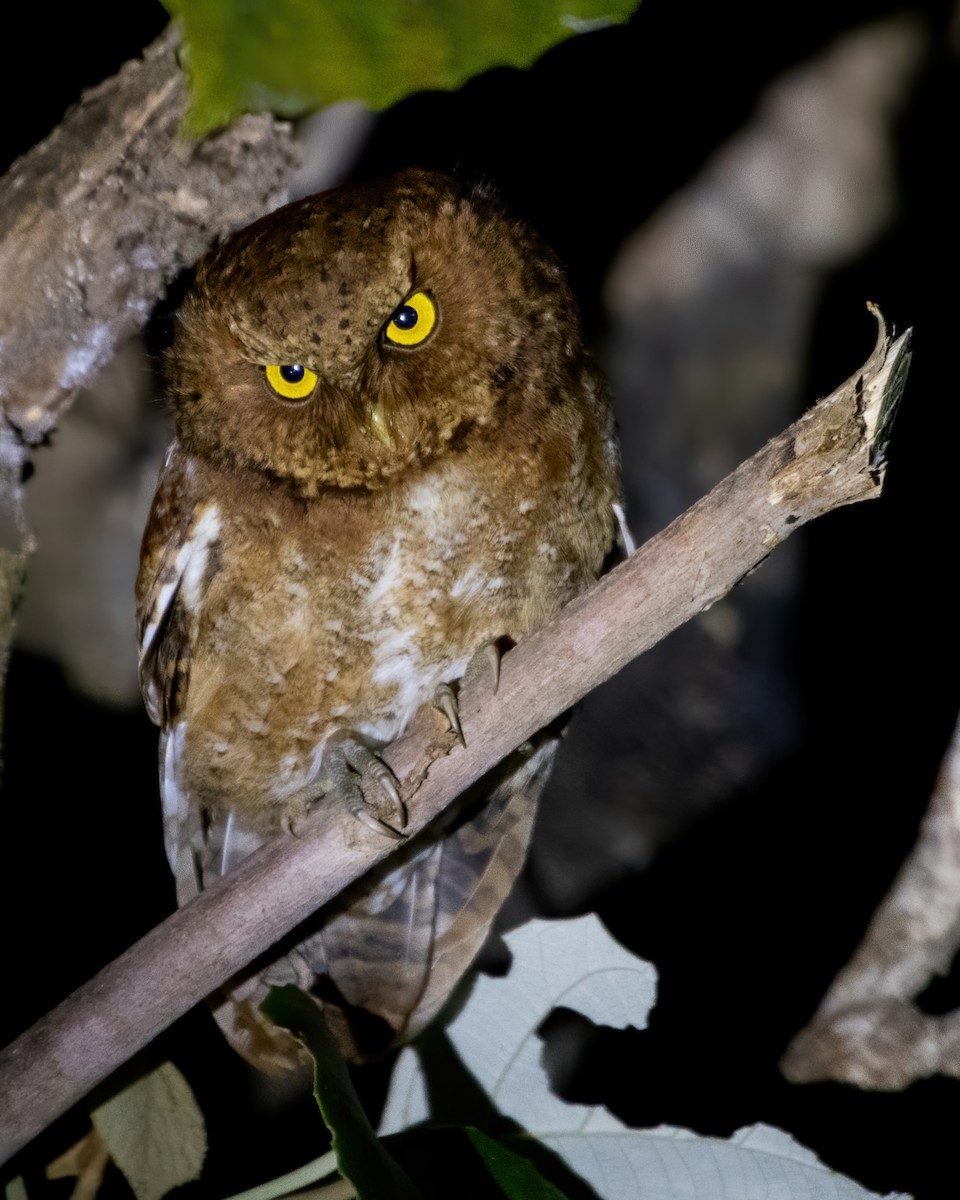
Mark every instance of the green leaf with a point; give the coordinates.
(360, 1155)
(516, 1176)
(154, 1132)
(293, 56)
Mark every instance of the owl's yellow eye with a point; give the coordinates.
(291, 381)
(413, 322)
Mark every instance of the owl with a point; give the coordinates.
(391, 451)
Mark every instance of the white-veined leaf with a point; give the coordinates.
(578, 965)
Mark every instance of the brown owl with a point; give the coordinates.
(391, 450)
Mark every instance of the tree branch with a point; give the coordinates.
(832, 456)
(867, 1031)
(95, 222)
(98, 218)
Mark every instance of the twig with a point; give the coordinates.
(866, 1030)
(832, 456)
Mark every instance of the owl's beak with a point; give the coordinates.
(379, 426)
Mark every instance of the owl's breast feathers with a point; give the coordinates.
(390, 448)
(267, 621)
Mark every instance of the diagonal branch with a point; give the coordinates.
(832, 456)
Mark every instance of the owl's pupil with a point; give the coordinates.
(405, 317)
(292, 374)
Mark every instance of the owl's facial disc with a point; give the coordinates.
(410, 326)
(379, 425)
(361, 334)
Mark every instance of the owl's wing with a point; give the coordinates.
(172, 579)
(178, 552)
(398, 951)
(481, 861)
(365, 960)
(384, 959)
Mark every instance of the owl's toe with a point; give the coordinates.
(484, 667)
(359, 778)
(445, 698)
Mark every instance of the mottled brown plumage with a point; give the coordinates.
(318, 562)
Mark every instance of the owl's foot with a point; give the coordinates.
(485, 662)
(353, 773)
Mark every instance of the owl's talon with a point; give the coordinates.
(363, 781)
(492, 655)
(381, 774)
(445, 699)
(365, 817)
(484, 662)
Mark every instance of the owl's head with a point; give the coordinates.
(360, 333)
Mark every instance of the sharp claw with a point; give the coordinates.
(446, 701)
(385, 779)
(492, 655)
(367, 818)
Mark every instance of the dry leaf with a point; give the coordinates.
(87, 1160)
(154, 1132)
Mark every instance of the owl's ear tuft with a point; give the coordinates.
(484, 190)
